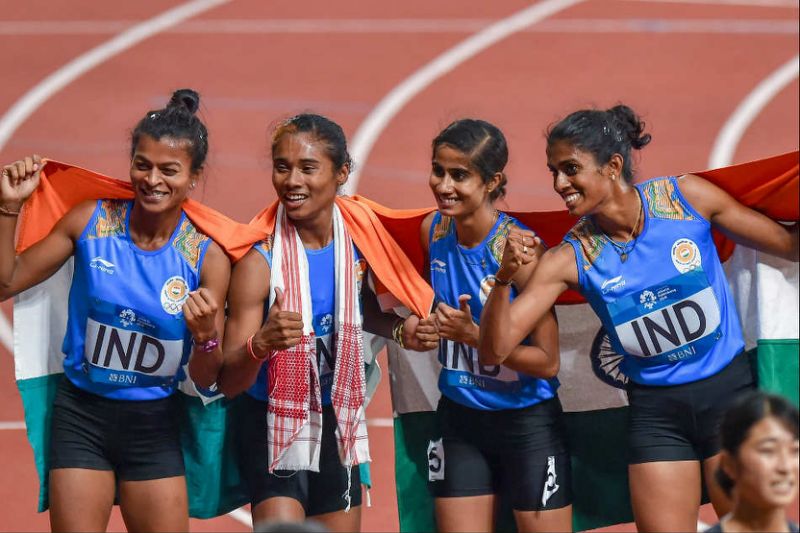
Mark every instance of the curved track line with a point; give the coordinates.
(372, 127)
(41, 92)
(733, 130)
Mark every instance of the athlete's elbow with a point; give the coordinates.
(491, 358)
(551, 370)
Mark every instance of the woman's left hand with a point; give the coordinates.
(420, 335)
(200, 312)
(457, 324)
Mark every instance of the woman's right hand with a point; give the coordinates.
(518, 251)
(18, 181)
(282, 330)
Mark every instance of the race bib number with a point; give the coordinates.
(125, 348)
(676, 320)
(435, 460)
(467, 371)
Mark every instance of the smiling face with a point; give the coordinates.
(765, 468)
(161, 173)
(581, 182)
(456, 184)
(304, 176)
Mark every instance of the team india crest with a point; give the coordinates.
(173, 294)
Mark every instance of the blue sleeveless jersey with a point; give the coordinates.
(456, 270)
(322, 275)
(668, 307)
(126, 337)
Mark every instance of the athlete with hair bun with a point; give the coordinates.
(147, 296)
(499, 417)
(671, 315)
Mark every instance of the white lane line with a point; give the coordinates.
(756, 3)
(35, 97)
(14, 424)
(6, 333)
(731, 133)
(242, 515)
(372, 127)
(365, 26)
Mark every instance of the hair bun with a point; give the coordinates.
(630, 125)
(186, 98)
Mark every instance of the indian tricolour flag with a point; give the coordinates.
(592, 388)
(40, 318)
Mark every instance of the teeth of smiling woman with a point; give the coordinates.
(295, 197)
(572, 198)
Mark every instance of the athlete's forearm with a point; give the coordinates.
(8, 255)
(493, 342)
(533, 361)
(238, 372)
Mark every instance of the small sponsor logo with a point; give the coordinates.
(127, 317)
(102, 265)
(685, 255)
(173, 294)
(647, 299)
(437, 265)
(612, 284)
(326, 322)
(551, 485)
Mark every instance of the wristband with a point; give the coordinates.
(8, 212)
(250, 349)
(504, 283)
(208, 346)
(397, 332)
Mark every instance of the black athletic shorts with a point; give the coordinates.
(681, 422)
(318, 492)
(137, 440)
(519, 454)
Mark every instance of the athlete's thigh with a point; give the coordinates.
(665, 495)
(341, 521)
(80, 499)
(155, 504)
(545, 521)
(466, 513)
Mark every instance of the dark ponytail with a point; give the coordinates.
(603, 134)
(178, 121)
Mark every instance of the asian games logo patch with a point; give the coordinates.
(487, 284)
(173, 294)
(647, 299)
(685, 255)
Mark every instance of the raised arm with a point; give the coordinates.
(204, 312)
(247, 295)
(742, 224)
(504, 323)
(541, 358)
(43, 259)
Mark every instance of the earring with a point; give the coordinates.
(613, 177)
(192, 186)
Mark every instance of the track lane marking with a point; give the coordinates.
(382, 114)
(746, 112)
(42, 91)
